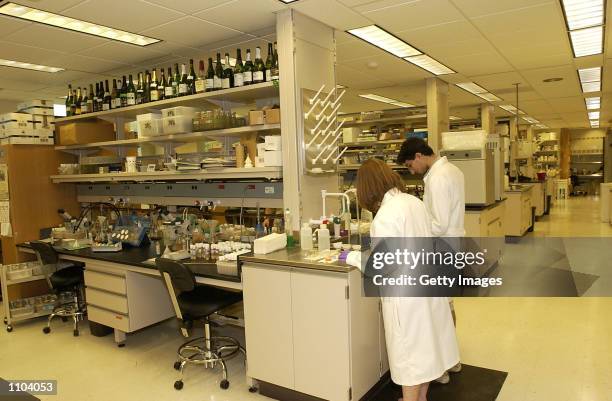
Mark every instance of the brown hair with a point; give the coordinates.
(374, 179)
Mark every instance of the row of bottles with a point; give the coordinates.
(150, 87)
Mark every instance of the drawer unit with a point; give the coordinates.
(105, 281)
(108, 318)
(107, 300)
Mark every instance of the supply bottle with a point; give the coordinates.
(306, 237)
(289, 229)
(324, 241)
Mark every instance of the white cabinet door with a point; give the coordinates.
(268, 327)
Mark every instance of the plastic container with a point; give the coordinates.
(148, 128)
(18, 272)
(177, 124)
(323, 238)
(179, 111)
(306, 237)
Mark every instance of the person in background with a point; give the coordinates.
(421, 340)
(444, 198)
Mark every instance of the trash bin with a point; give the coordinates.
(99, 330)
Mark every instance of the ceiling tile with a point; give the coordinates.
(86, 64)
(50, 5)
(17, 85)
(133, 16)
(359, 49)
(497, 82)
(27, 54)
(568, 104)
(355, 3)
(54, 38)
(568, 86)
(253, 15)
(476, 8)
(536, 56)
(442, 34)
(413, 14)
(189, 6)
(355, 79)
(478, 64)
(128, 54)
(189, 31)
(10, 25)
(332, 13)
(393, 69)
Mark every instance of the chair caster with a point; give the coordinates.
(178, 384)
(5, 321)
(121, 345)
(75, 333)
(224, 384)
(177, 365)
(9, 328)
(46, 330)
(252, 389)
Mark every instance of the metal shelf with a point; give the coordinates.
(31, 316)
(207, 174)
(244, 95)
(348, 167)
(372, 143)
(384, 120)
(580, 162)
(181, 138)
(25, 280)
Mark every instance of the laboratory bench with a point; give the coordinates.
(519, 217)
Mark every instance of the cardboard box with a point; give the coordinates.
(179, 111)
(350, 134)
(85, 132)
(272, 142)
(39, 111)
(272, 116)
(273, 158)
(35, 103)
(256, 117)
(148, 116)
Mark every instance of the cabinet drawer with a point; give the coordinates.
(108, 318)
(103, 281)
(107, 300)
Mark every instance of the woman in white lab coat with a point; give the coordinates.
(420, 336)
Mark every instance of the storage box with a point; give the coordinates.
(85, 132)
(177, 124)
(27, 140)
(148, 116)
(272, 116)
(256, 117)
(260, 161)
(273, 158)
(272, 142)
(350, 134)
(41, 111)
(35, 103)
(149, 128)
(43, 122)
(179, 111)
(261, 148)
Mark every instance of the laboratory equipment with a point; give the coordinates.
(323, 239)
(289, 229)
(269, 243)
(306, 237)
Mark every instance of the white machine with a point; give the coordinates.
(495, 143)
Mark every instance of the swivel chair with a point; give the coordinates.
(62, 277)
(191, 303)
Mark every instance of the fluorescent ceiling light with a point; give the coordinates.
(429, 64)
(510, 108)
(28, 66)
(489, 97)
(594, 124)
(402, 104)
(386, 100)
(590, 79)
(454, 118)
(472, 87)
(583, 13)
(380, 38)
(288, 1)
(593, 103)
(60, 21)
(587, 42)
(542, 126)
(593, 115)
(531, 120)
(591, 87)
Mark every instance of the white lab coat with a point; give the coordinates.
(445, 198)
(419, 332)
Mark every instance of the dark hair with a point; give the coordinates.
(411, 147)
(374, 179)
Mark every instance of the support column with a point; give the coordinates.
(564, 154)
(437, 112)
(487, 118)
(530, 167)
(513, 146)
(306, 50)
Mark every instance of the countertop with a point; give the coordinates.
(295, 257)
(517, 188)
(138, 257)
(480, 208)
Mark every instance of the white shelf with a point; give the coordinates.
(30, 316)
(25, 280)
(243, 95)
(207, 174)
(348, 167)
(176, 138)
(384, 120)
(372, 143)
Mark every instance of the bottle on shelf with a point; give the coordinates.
(228, 74)
(131, 92)
(210, 76)
(275, 68)
(259, 69)
(191, 78)
(84, 105)
(200, 82)
(79, 99)
(218, 77)
(106, 105)
(115, 99)
(161, 86)
(73, 103)
(69, 100)
(140, 89)
(100, 96)
(269, 59)
(147, 87)
(238, 70)
(123, 93)
(153, 87)
(248, 69)
(183, 86)
(176, 80)
(169, 88)
(94, 97)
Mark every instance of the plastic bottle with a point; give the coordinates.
(324, 241)
(288, 229)
(306, 237)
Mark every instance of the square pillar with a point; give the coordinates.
(437, 112)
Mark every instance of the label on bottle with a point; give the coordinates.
(239, 79)
(169, 91)
(268, 75)
(226, 83)
(217, 82)
(248, 77)
(183, 89)
(105, 106)
(210, 83)
(154, 95)
(131, 99)
(274, 74)
(200, 86)
(258, 76)
(84, 108)
(189, 77)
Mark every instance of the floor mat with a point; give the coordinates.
(471, 384)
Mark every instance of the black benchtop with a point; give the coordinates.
(138, 256)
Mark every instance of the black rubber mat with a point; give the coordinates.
(471, 384)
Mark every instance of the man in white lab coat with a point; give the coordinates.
(444, 195)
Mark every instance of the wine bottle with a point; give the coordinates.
(131, 92)
(73, 103)
(259, 69)
(210, 76)
(183, 84)
(89, 102)
(77, 109)
(123, 93)
(200, 83)
(69, 100)
(218, 79)
(269, 63)
(94, 97)
(140, 89)
(106, 105)
(238, 70)
(176, 81)
(161, 87)
(84, 106)
(169, 88)
(101, 96)
(228, 74)
(153, 91)
(248, 69)
(191, 78)
(275, 64)
(115, 100)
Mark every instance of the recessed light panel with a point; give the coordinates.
(587, 42)
(594, 124)
(593, 103)
(590, 79)
(593, 115)
(384, 40)
(429, 64)
(60, 21)
(387, 100)
(583, 13)
(28, 66)
(489, 97)
(510, 108)
(472, 87)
